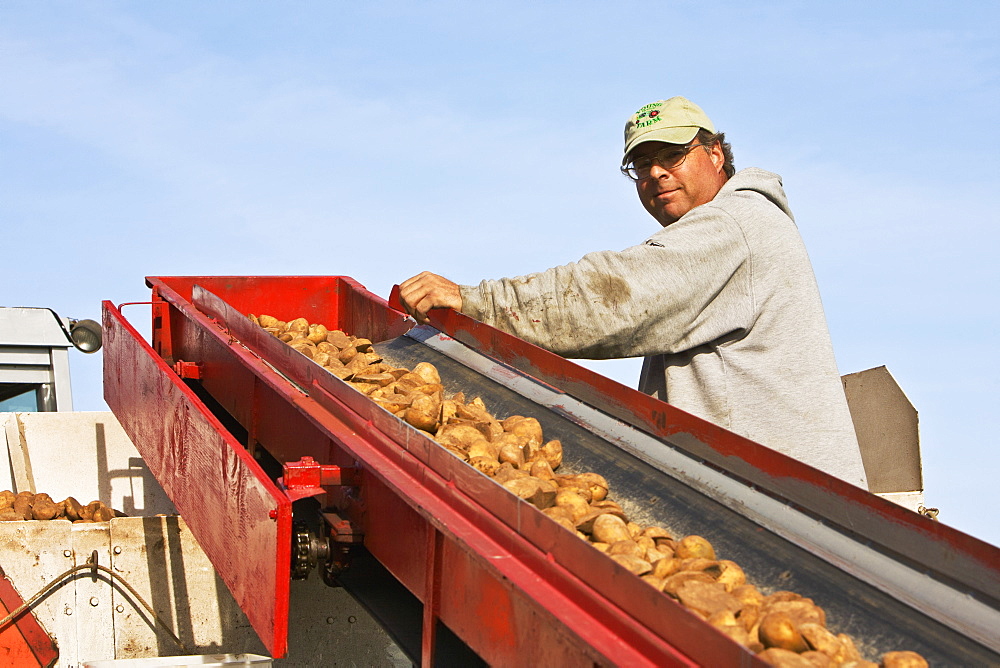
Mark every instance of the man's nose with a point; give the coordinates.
(656, 170)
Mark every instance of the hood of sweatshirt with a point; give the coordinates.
(760, 181)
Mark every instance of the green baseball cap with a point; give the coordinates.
(674, 121)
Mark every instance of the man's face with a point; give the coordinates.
(668, 194)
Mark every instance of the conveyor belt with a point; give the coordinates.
(493, 568)
(877, 622)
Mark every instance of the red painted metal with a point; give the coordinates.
(23, 641)
(410, 487)
(496, 570)
(307, 477)
(233, 508)
(187, 370)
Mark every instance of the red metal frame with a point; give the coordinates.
(498, 572)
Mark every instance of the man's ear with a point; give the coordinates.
(717, 156)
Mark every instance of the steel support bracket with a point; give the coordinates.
(307, 477)
(189, 370)
(342, 537)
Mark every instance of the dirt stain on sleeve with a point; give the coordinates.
(611, 290)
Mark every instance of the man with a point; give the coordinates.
(722, 302)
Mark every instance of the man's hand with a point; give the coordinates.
(426, 291)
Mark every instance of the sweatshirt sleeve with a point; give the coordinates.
(685, 286)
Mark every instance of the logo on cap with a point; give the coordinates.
(651, 116)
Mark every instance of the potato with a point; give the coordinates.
(664, 568)
(428, 372)
(734, 630)
(732, 576)
(44, 508)
(574, 503)
(103, 514)
(541, 469)
(903, 660)
(22, 504)
(634, 564)
(510, 439)
(526, 427)
(818, 659)
(657, 532)
(627, 547)
(7, 499)
(10, 515)
(749, 594)
(507, 472)
(72, 508)
(783, 658)
(586, 523)
(483, 448)
(317, 333)
(672, 583)
(533, 490)
(851, 652)
(267, 321)
(694, 546)
(304, 346)
(802, 611)
(380, 379)
(706, 598)
(339, 339)
(560, 513)
(778, 630)
(88, 510)
(513, 455)
(341, 372)
(298, 325)
(422, 417)
(597, 485)
(347, 354)
(552, 451)
(610, 529)
(487, 465)
(821, 640)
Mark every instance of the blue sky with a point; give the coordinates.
(480, 140)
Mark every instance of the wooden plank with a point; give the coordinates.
(17, 448)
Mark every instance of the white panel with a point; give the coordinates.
(87, 455)
(31, 326)
(24, 355)
(95, 637)
(33, 554)
(25, 374)
(161, 559)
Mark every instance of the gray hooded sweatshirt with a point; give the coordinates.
(724, 306)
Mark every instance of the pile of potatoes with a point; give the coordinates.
(31, 506)
(784, 628)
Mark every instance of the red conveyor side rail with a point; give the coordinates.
(211, 479)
